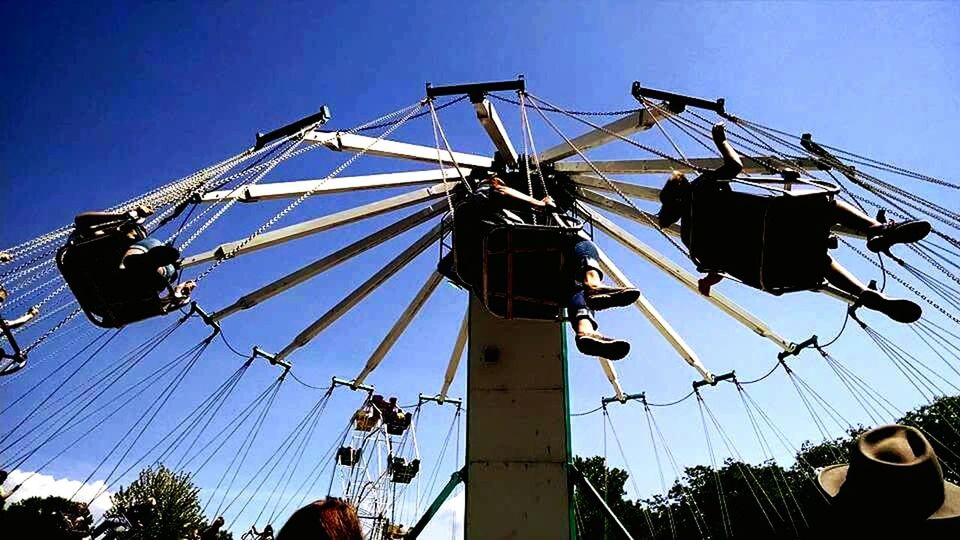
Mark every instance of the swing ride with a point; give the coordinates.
(518, 475)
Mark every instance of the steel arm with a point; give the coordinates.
(348, 142)
(289, 190)
(491, 123)
(319, 225)
(362, 291)
(751, 165)
(632, 123)
(322, 265)
(399, 326)
(626, 211)
(687, 279)
(657, 320)
(455, 356)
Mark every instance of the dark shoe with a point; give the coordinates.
(594, 344)
(609, 297)
(899, 310)
(891, 233)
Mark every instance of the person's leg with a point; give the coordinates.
(588, 340)
(596, 295)
(900, 310)
(880, 236)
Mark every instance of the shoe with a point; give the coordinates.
(594, 344)
(602, 297)
(891, 233)
(903, 311)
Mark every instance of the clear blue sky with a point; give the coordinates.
(104, 102)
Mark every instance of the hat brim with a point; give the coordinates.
(831, 478)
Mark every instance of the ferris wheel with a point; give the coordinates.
(518, 474)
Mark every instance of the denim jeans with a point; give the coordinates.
(168, 272)
(583, 256)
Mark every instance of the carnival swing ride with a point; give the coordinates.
(518, 475)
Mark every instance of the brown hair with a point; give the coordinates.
(329, 519)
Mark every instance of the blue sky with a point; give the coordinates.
(105, 103)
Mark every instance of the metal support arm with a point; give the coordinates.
(751, 165)
(455, 356)
(632, 123)
(491, 123)
(362, 291)
(400, 326)
(348, 142)
(322, 265)
(676, 101)
(455, 479)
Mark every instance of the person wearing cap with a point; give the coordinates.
(678, 193)
(892, 487)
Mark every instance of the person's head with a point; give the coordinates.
(674, 199)
(329, 519)
(893, 471)
(219, 521)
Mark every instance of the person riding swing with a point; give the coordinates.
(773, 246)
(118, 273)
(493, 204)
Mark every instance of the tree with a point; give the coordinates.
(49, 518)
(177, 511)
(742, 500)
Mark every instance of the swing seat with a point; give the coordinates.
(349, 456)
(776, 243)
(90, 264)
(402, 472)
(397, 425)
(366, 420)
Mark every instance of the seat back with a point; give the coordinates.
(777, 243)
(110, 297)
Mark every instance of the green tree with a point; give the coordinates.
(49, 518)
(742, 500)
(177, 510)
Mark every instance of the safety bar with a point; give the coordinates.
(321, 117)
(716, 379)
(677, 102)
(272, 358)
(476, 91)
(195, 309)
(440, 400)
(353, 386)
(795, 348)
(642, 396)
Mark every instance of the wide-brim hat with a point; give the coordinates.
(893, 471)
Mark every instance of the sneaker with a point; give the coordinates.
(891, 233)
(594, 344)
(903, 311)
(602, 297)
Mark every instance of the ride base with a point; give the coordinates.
(518, 430)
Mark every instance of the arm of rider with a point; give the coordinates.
(22, 320)
(503, 190)
(732, 165)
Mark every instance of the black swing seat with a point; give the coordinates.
(349, 456)
(402, 472)
(90, 264)
(516, 269)
(776, 243)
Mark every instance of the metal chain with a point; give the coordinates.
(412, 110)
(902, 282)
(609, 183)
(52, 331)
(443, 171)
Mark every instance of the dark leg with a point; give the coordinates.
(849, 216)
(897, 309)
(596, 295)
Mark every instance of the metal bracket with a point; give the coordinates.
(272, 358)
(795, 348)
(476, 91)
(716, 379)
(195, 309)
(676, 102)
(439, 400)
(642, 396)
(318, 118)
(352, 385)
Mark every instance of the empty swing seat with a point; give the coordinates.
(349, 456)
(402, 472)
(776, 243)
(90, 264)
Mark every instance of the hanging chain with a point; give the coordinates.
(443, 171)
(272, 221)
